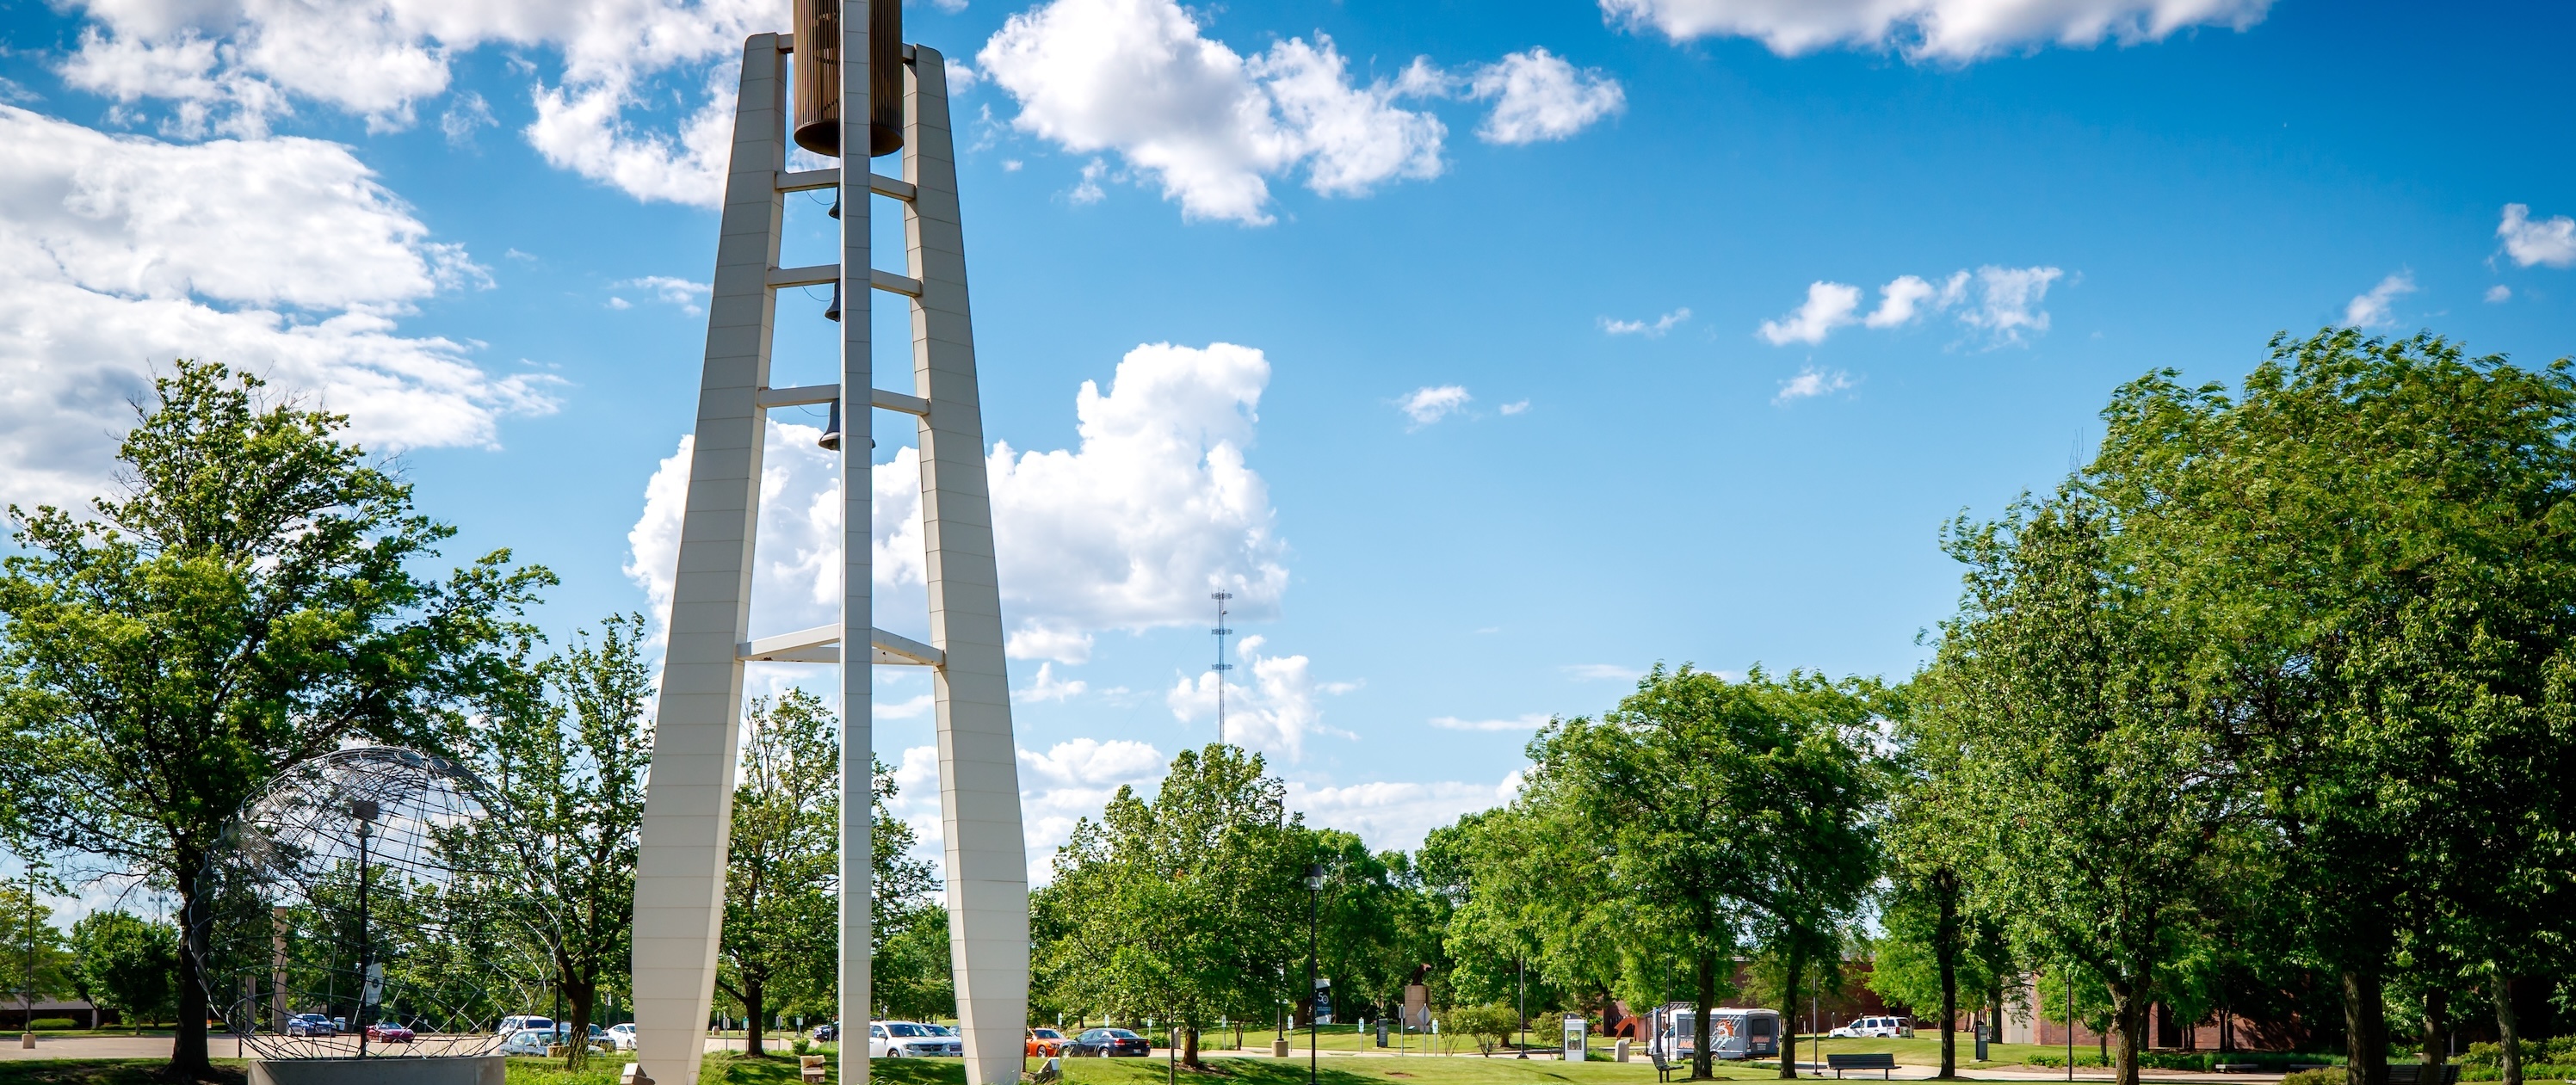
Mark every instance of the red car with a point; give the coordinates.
(387, 1032)
(1045, 1043)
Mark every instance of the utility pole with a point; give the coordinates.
(1221, 665)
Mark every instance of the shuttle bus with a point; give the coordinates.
(1733, 1034)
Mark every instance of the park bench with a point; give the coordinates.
(2236, 1067)
(1664, 1068)
(2412, 1073)
(1880, 1061)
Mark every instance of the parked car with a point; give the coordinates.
(310, 1024)
(895, 1039)
(516, 1022)
(528, 1041)
(389, 1032)
(1045, 1043)
(1876, 1027)
(622, 1037)
(1108, 1043)
(827, 1031)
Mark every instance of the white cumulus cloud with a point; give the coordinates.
(236, 65)
(2006, 309)
(1811, 382)
(1430, 404)
(1209, 125)
(1650, 329)
(1538, 96)
(1828, 306)
(280, 257)
(1396, 814)
(1275, 712)
(1130, 530)
(2371, 308)
(1953, 31)
(2550, 241)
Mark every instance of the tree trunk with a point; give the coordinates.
(2129, 1018)
(584, 996)
(1789, 1006)
(188, 1049)
(2508, 1031)
(1945, 940)
(2365, 1028)
(752, 1015)
(1190, 1047)
(2437, 1026)
(1704, 1000)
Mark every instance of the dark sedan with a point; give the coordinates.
(1108, 1043)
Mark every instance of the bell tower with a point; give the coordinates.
(897, 100)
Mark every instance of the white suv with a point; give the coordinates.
(1876, 1026)
(622, 1037)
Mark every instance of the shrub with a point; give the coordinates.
(53, 1023)
(1489, 1026)
(2327, 1076)
(801, 1046)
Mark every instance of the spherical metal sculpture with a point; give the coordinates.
(364, 906)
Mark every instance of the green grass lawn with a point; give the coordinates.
(106, 1071)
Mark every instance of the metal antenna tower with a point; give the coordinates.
(1221, 665)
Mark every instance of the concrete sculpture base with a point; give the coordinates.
(459, 1070)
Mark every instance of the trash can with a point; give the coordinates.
(1622, 1049)
(1279, 1046)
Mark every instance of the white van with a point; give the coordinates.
(519, 1022)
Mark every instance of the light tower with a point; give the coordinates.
(1221, 665)
(896, 99)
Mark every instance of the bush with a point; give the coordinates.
(801, 1046)
(1489, 1026)
(2328, 1076)
(57, 1024)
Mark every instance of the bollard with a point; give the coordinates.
(1623, 1049)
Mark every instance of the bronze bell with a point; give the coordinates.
(833, 311)
(817, 76)
(831, 438)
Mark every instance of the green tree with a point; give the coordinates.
(1187, 908)
(2108, 790)
(1719, 808)
(910, 970)
(248, 601)
(1936, 942)
(564, 750)
(2379, 533)
(782, 883)
(32, 962)
(127, 964)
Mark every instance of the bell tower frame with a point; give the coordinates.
(680, 873)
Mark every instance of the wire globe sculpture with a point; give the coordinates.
(364, 906)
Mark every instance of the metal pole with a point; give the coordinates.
(2070, 1022)
(1520, 1000)
(364, 811)
(1314, 913)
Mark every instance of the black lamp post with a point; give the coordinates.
(365, 811)
(1314, 910)
(1521, 1003)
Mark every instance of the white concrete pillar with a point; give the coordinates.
(979, 789)
(858, 737)
(688, 805)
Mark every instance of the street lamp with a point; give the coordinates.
(1314, 910)
(1521, 985)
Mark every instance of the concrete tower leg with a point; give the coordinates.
(688, 809)
(979, 789)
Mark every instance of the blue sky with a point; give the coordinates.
(1512, 348)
